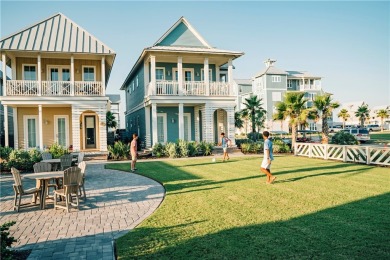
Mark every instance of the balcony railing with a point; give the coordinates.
(309, 87)
(54, 88)
(189, 88)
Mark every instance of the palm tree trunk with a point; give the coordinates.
(381, 124)
(293, 135)
(343, 124)
(325, 130)
(253, 122)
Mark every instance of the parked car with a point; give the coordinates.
(361, 134)
(308, 136)
(335, 128)
(373, 128)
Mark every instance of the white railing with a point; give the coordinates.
(88, 88)
(167, 87)
(22, 88)
(189, 88)
(345, 153)
(310, 87)
(56, 88)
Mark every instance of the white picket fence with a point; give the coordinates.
(345, 153)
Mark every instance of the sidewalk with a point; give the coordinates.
(116, 202)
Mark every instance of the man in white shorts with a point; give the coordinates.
(268, 157)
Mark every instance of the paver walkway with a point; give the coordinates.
(116, 202)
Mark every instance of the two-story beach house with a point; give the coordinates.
(272, 83)
(179, 89)
(57, 87)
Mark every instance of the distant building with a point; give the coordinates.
(271, 84)
(114, 107)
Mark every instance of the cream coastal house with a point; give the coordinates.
(56, 87)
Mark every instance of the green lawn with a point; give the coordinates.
(315, 209)
(380, 137)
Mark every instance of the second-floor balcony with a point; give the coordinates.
(189, 88)
(54, 88)
(304, 87)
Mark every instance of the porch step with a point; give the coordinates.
(92, 156)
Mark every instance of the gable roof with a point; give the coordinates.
(182, 34)
(271, 70)
(57, 33)
(300, 74)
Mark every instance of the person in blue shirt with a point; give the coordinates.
(224, 142)
(268, 158)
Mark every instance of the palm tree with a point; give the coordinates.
(382, 113)
(324, 105)
(279, 117)
(110, 120)
(254, 110)
(238, 121)
(343, 114)
(292, 107)
(362, 113)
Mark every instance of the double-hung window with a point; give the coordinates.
(89, 74)
(29, 72)
(160, 72)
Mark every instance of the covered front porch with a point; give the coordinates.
(187, 121)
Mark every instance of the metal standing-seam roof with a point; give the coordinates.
(57, 33)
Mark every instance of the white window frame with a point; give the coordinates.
(88, 66)
(289, 83)
(275, 78)
(160, 68)
(183, 70)
(164, 115)
(202, 75)
(137, 82)
(66, 128)
(189, 124)
(25, 126)
(59, 67)
(133, 85)
(313, 126)
(32, 65)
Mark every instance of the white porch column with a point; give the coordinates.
(152, 75)
(40, 130)
(4, 59)
(154, 123)
(39, 73)
(206, 76)
(181, 121)
(208, 124)
(217, 76)
(230, 77)
(72, 75)
(148, 138)
(103, 72)
(13, 67)
(6, 141)
(16, 130)
(76, 111)
(230, 125)
(146, 79)
(196, 121)
(180, 74)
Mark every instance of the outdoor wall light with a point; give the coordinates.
(197, 73)
(173, 120)
(168, 72)
(46, 122)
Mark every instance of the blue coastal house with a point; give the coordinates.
(181, 88)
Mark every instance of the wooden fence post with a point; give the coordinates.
(310, 150)
(368, 155)
(325, 151)
(344, 153)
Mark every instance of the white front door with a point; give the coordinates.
(61, 132)
(31, 136)
(161, 127)
(187, 126)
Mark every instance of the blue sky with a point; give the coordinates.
(347, 43)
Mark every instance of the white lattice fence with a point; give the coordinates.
(380, 156)
(335, 152)
(346, 153)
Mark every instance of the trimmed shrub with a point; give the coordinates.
(182, 147)
(158, 150)
(6, 240)
(5, 151)
(192, 149)
(118, 151)
(171, 150)
(241, 141)
(344, 138)
(255, 136)
(23, 160)
(57, 150)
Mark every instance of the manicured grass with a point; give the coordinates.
(315, 209)
(379, 136)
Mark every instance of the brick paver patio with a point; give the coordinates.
(116, 202)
